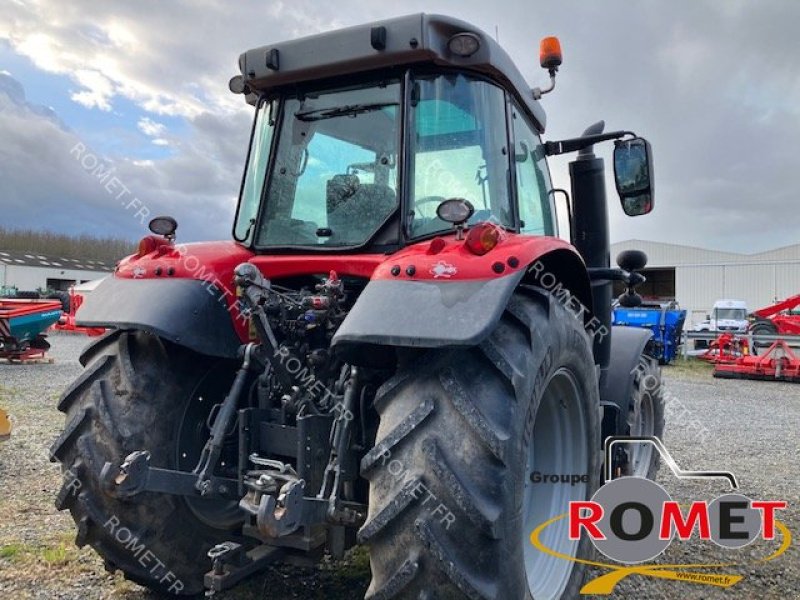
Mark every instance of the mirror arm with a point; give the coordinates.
(574, 144)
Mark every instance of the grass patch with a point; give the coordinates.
(11, 551)
(356, 566)
(58, 555)
(689, 366)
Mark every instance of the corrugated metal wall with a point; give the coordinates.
(704, 276)
(31, 278)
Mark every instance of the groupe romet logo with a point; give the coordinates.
(632, 520)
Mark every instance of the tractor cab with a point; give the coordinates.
(363, 161)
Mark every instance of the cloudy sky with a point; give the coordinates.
(142, 88)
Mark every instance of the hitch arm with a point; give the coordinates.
(136, 476)
(213, 448)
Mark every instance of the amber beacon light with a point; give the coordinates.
(550, 53)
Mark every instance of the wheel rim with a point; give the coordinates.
(192, 435)
(641, 421)
(558, 446)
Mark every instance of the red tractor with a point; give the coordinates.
(395, 349)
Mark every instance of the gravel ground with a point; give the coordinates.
(750, 428)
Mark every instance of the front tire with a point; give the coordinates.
(452, 499)
(645, 418)
(132, 396)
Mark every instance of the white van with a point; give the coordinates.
(727, 315)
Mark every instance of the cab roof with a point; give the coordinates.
(410, 40)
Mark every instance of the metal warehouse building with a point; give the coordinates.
(31, 271)
(696, 277)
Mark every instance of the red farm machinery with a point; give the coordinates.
(68, 322)
(393, 342)
(773, 359)
(781, 318)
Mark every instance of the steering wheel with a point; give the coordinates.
(425, 200)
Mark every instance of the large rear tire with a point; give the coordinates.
(452, 498)
(134, 395)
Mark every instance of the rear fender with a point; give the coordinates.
(432, 295)
(189, 312)
(627, 346)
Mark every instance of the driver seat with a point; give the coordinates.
(355, 214)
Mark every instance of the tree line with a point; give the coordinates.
(108, 249)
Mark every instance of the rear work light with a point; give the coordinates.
(482, 238)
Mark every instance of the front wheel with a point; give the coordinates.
(478, 447)
(645, 418)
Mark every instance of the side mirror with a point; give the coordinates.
(633, 175)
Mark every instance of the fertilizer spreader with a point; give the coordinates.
(22, 323)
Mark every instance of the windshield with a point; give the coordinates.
(731, 314)
(459, 150)
(334, 178)
(255, 171)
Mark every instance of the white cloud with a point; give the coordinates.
(172, 59)
(161, 142)
(151, 128)
(98, 90)
(41, 173)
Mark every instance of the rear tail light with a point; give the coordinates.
(482, 238)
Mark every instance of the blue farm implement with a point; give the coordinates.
(22, 326)
(665, 323)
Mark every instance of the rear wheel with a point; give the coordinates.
(458, 474)
(138, 393)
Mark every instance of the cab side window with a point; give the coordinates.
(533, 179)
